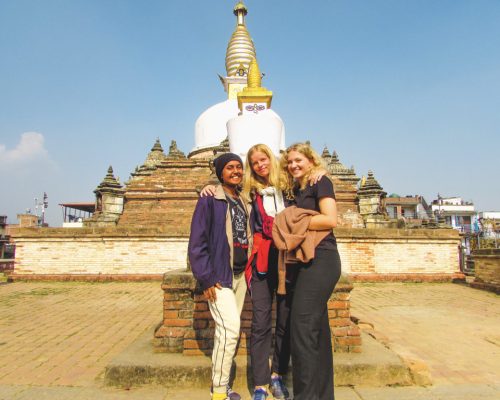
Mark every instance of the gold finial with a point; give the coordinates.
(254, 79)
(240, 11)
(240, 49)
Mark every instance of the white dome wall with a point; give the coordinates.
(247, 130)
(210, 127)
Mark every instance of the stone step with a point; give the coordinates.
(138, 365)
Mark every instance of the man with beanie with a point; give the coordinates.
(218, 251)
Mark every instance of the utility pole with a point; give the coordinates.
(42, 205)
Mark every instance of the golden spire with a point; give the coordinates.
(254, 92)
(240, 49)
(254, 78)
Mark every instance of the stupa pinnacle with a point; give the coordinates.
(211, 127)
(240, 50)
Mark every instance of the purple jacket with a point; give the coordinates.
(210, 247)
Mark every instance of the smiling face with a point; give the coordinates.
(232, 174)
(298, 165)
(260, 164)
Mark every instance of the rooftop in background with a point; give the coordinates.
(454, 201)
(87, 207)
(490, 215)
(395, 199)
(453, 205)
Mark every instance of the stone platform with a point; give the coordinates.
(139, 365)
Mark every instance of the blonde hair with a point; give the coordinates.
(253, 182)
(307, 151)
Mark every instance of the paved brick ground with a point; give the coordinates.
(454, 329)
(66, 333)
(56, 338)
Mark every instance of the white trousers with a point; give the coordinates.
(226, 312)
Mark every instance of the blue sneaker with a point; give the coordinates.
(278, 389)
(259, 394)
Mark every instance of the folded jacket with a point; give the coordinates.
(294, 240)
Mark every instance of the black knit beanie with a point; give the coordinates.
(221, 161)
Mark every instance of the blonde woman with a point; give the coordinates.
(315, 281)
(263, 184)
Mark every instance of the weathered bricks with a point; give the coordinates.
(188, 326)
(487, 269)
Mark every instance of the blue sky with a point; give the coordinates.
(408, 89)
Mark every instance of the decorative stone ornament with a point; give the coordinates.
(108, 201)
(370, 195)
(174, 152)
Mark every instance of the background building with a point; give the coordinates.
(411, 208)
(459, 214)
(489, 224)
(75, 213)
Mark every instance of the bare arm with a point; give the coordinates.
(327, 219)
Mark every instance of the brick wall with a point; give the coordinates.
(188, 326)
(364, 252)
(394, 251)
(97, 252)
(487, 269)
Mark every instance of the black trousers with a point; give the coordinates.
(311, 345)
(263, 289)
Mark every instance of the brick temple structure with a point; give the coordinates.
(163, 191)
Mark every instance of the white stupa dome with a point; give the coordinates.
(211, 125)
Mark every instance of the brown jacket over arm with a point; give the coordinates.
(294, 240)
